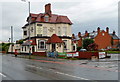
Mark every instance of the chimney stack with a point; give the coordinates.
(98, 30)
(113, 32)
(48, 9)
(79, 34)
(73, 36)
(86, 33)
(107, 29)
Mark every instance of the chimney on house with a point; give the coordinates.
(73, 36)
(79, 34)
(113, 32)
(86, 33)
(98, 30)
(48, 9)
(107, 29)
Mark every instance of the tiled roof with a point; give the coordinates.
(53, 18)
(114, 36)
(54, 39)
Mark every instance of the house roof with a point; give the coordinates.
(53, 18)
(54, 39)
(114, 36)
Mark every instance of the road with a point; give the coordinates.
(14, 68)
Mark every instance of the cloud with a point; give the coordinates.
(85, 14)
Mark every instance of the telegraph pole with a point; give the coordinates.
(28, 27)
(11, 39)
(29, 30)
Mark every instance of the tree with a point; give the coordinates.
(19, 41)
(86, 42)
(92, 47)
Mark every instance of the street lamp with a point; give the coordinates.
(29, 27)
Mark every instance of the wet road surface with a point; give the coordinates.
(14, 68)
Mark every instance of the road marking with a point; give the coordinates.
(59, 72)
(34, 66)
(72, 76)
(2, 75)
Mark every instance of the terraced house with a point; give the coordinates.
(48, 32)
(103, 38)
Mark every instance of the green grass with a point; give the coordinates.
(113, 52)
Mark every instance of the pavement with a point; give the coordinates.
(42, 68)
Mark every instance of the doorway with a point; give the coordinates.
(53, 47)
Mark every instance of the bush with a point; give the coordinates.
(78, 48)
(5, 46)
(86, 42)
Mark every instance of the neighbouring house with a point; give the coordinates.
(103, 39)
(48, 32)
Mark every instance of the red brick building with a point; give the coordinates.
(102, 38)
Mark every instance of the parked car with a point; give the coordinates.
(82, 50)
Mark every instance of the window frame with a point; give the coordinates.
(65, 44)
(65, 31)
(59, 31)
(25, 32)
(46, 18)
(39, 44)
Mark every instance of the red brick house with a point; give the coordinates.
(102, 38)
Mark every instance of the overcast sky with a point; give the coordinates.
(85, 14)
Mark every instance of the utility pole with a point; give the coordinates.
(28, 26)
(29, 31)
(11, 39)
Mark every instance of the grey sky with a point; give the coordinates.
(85, 14)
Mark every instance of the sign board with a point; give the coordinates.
(75, 54)
(102, 54)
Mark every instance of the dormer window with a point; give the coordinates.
(46, 18)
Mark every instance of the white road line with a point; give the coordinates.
(72, 76)
(2, 75)
(60, 73)
(34, 66)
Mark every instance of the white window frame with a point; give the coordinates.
(59, 31)
(65, 44)
(39, 44)
(46, 18)
(65, 31)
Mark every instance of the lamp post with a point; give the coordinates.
(29, 27)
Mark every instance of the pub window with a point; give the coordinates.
(22, 48)
(65, 31)
(46, 18)
(74, 48)
(25, 32)
(25, 48)
(32, 29)
(65, 44)
(41, 44)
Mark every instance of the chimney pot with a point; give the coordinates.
(113, 32)
(107, 29)
(79, 34)
(98, 30)
(73, 36)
